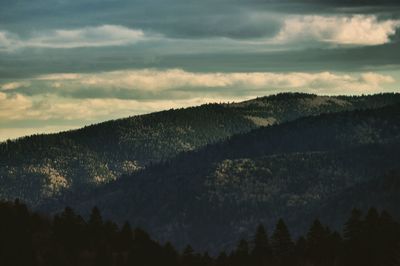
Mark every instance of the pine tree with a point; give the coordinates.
(353, 227)
(371, 237)
(261, 252)
(334, 247)
(282, 244)
(95, 219)
(317, 240)
(389, 233)
(125, 237)
(170, 255)
(188, 256)
(69, 232)
(353, 233)
(241, 254)
(95, 228)
(144, 249)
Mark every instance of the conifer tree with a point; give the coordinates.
(241, 254)
(371, 238)
(353, 226)
(125, 237)
(69, 232)
(188, 256)
(261, 252)
(317, 241)
(170, 255)
(389, 232)
(282, 244)
(353, 233)
(95, 228)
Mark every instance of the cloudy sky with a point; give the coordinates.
(68, 63)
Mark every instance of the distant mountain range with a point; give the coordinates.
(189, 174)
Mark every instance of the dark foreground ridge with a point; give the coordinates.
(28, 238)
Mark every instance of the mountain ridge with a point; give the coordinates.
(285, 170)
(39, 167)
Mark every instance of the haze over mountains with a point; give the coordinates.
(186, 174)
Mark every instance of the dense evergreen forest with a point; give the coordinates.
(39, 167)
(295, 170)
(208, 175)
(31, 239)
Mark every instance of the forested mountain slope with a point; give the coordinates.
(214, 195)
(384, 189)
(42, 166)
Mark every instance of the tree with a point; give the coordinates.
(69, 232)
(317, 244)
(261, 252)
(282, 244)
(389, 232)
(188, 256)
(353, 226)
(170, 255)
(125, 237)
(240, 256)
(95, 228)
(95, 219)
(371, 238)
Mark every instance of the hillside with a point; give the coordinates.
(286, 170)
(39, 167)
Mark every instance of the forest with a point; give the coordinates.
(67, 239)
(294, 170)
(38, 167)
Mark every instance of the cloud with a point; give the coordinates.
(341, 3)
(13, 106)
(105, 35)
(8, 41)
(345, 30)
(14, 85)
(175, 79)
(155, 85)
(376, 79)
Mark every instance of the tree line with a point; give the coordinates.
(67, 239)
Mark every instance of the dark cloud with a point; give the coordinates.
(189, 20)
(42, 61)
(175, 18)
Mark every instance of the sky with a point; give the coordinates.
(69, 63)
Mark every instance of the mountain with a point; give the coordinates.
(296, 170)
(40, 167)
